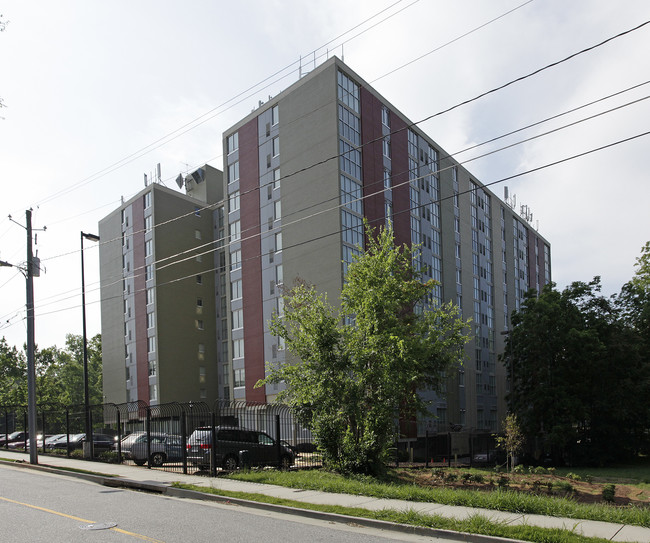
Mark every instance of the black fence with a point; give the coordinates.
(179, 437)
(170, 436)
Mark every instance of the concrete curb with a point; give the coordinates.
(157, 488)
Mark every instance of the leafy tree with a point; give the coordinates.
(59, 374)
(357, 368)
(578, 374)
(512, 440)
(13, 375)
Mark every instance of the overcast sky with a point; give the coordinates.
(89, 86)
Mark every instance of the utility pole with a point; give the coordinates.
(31, 365)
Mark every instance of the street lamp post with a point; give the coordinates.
(89, 437)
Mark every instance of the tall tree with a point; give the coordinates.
(577, 374)
(356, 369)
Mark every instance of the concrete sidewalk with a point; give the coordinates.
(160, 481)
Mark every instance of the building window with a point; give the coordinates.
(237, 319)
(275, 115)
(276, 146)
(152, 368)
(233, 172)
(197, 234)
(199, 279)
(151, 344)
(235, 230)
(238, 348)
(236, 290)
(232, 142)
(280, 307)
(202, 374)
(277, 210)
(240, 378)
(387, 181)
(385, 116)
(148, 248)
(278, 242)
(150, 296)
(348, 92)
(233, 202)
(148, 223)
(153, 393)
(279, 275)
(147, 200)
(386, 147)
(276, 178)
(148, 272)
(199, 324)
(235, 260)
(151, 320)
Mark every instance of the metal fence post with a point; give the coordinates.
(426, 449)
(90, 439)
(213, 448)
(278, 447)
(148, 430)
(67, 433)
(184, 441)
(119, 437)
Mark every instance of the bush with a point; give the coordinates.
(609, 491)
(110, 457)
(589, 479)
(520, 468)
(539, 470)
(478, 478)
(564, 486)
(573, 476)
(503, 482)
(466, 477)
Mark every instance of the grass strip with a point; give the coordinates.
(476, 524)
(499, 500)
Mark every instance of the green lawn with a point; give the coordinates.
(477, 524)
(501, 500)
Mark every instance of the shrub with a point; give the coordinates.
(609, 492)
(564, 486)
(520, 468)
(440, 473)
(110, 457)
(503, 482)
(573, 476)
(466, 477)
(537, 485)
(478, 478)
(589, 479)
(452, 476)
(77, 453)
(539, 470)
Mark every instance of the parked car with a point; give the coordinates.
(164, 448)
(101, 442)
(14, 437)
(231, 441)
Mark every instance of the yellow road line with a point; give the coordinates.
(85, 521)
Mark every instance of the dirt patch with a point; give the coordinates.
(546, 484)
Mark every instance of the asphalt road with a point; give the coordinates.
(41, 507)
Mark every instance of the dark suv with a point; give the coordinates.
(235, 445)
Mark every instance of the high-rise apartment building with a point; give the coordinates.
(301, 173)
(157, 299)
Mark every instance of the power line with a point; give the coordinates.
(194, 123)
(193, 251)
(408, 210)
